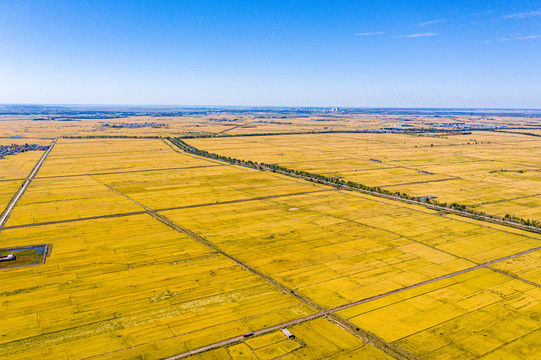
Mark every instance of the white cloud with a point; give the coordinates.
(431, 22)
(523, 15)
(370, 33)
(528, 37)
(414, 35)
(513, 37)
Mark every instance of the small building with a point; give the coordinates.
(9, 257)
(288, 334)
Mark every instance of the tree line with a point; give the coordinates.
(339, 183)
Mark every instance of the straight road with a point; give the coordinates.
(131, 213)
(265, 167)
(392, 350)
(340, 322)
(24, 186)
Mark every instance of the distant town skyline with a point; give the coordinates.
(417, 54)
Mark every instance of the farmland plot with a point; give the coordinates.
(129, 284)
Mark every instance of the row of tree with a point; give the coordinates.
(339, 183)
(398, 131)
(528, 222)
(110, 137)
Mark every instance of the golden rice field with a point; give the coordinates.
(128, 283)
(335, 248)
(211, 184)
(121, 284)
(315, 339)
(7, 190)
(34, 131)
(55, 199)
(13, 170)
(525, 266)
(479, 314)
(25, 126)
(17, 167)
(529, 131)
(66, 187)
(497, 173)
(93, 156)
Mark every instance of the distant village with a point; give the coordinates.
(135, 125)
(463, 126)
(15, 149)
(223, 120)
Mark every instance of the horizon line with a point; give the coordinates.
(270, 106)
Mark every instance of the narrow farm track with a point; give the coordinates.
(236, 127)
(461, 219)
(366, 336)
(76, 220)
(2, 180)
(190, 149)
(429, 206)
(486, 265)
(130, 171)
(180, 151)
(419, 182)
(480, 266)
(240, 338)
(514, 276)
(218, 344)
(166, 209)
(330, 314)
(506, 200)
(321, 312)
(24, 186)
(512, 341)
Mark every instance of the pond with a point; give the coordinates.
(24, 255)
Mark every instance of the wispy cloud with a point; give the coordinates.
(414, 35)
(529, 37)
(482, 13)
(431, 22)
(513, 37)
(374, 33)
(523, 15)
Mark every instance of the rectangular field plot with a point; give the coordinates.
(472, 315)
(18, 166)
(527, 207)
(331, 260)
(336, 248)
(128, 285)
(314, 340)
(526, 266)
(469, 239)
(288, 149)
(23, 127)
(471, 192)
(7, 190)
(390, 177)
(471, 169)
(94, 156)
(67, 198)
(186, 187)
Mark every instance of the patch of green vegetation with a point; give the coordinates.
(19, 291)
(24, 256)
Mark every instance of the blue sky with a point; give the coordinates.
(283, 53)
